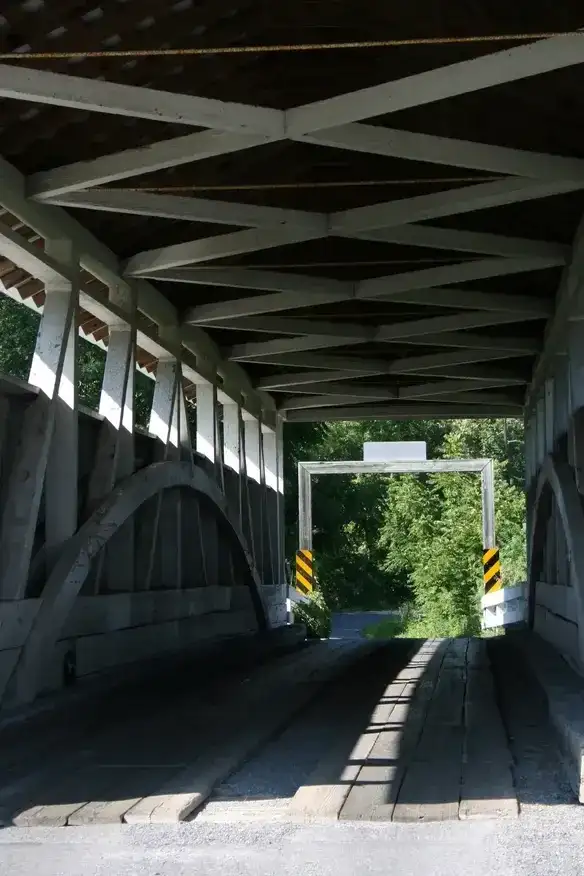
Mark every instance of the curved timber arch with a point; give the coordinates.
(71, 569)
(556, 481)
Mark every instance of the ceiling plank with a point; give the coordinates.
(393, 143)
(92, 95)
(464, 77)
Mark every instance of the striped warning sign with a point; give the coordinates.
(304, 572)
(492, 570)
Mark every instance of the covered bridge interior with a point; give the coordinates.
(281, 213)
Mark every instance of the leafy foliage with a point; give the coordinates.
(315, 615)
(18, 331)
(382, 542)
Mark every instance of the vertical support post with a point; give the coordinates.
(206, 446)
(62, 476)
(25, 485)
(576, 400)
(488, 502)
(164, 425)
(253, 463)
(232, 455)
(281, 554)
(270, 492)
(115, 453)
(245, 491)
(304, 508)
(232, 425)
(549, 416)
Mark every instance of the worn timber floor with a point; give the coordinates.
(406, 731)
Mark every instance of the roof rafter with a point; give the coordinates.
(404, 411)
(464, 77)
(63, 185)
(439, 330)
(93, 95)
(394, 143)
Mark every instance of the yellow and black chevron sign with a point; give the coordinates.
(492, 570)
(304, 572)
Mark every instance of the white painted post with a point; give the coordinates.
(115, 453)
(206, 445)
(270, 505)
(164, 425)
(549, 415)
(252, 429)
(61, 479)
(24, 490)
(281, 506)
(232, 455)
(576, 399)
(252, 447)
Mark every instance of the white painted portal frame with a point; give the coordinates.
(306, 470)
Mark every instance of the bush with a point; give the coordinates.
(315, 615)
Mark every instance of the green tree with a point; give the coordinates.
(382, 541)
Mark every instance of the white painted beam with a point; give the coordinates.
(449, 203)
(461, 272)
(472, 341)
(304, 402)
(299, 379)
(31, 257)
(463, 378)
(394, 143)
(360, 365)
(93, 95)
(472, 373)
(481, 398)
(464, 77)
(189, 209)
(261, 349)
(337, 335)
(293, 326)
(49, 221)
(248, 278)
(62, 185)
(447, 387)
(473, 300)
(438, 324)
(404, 412)
(354, 390)
(465, 241)
(218, 247)
(426, 363)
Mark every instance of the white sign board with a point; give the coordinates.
(394, 451)
(504, 607)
